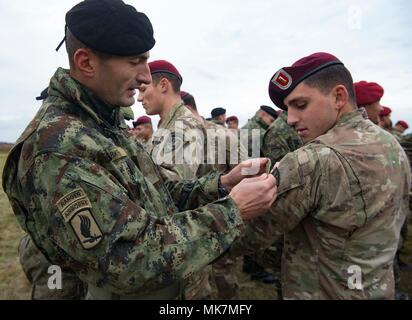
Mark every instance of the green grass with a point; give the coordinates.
(14, 285)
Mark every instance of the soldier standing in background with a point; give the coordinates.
(142, 130)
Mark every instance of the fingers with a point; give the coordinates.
(253, 167)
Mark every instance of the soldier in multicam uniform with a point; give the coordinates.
(93, 201)
(256, 128)
(278, 141)
(142, 131)
(401, 126)
(233, 123)
(342, 197)
(172, 142)
(179, 143)
(369, 94)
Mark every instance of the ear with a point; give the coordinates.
(85, 61)
(341, 96)
(164, 85)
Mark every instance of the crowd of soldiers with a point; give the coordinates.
(307, 192)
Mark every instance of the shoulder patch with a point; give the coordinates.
(68, 201)
(87, 230)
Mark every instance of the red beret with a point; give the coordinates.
(232, 118)
(367, 92)
(286, 79)
(403, 124)
(141, 120)
(163, 66)
(385, 112)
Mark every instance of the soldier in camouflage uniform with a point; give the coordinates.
(171, 142)
(342, 196)
(142, 131)
(35, 266)
(179, 143)
(369, 94)
(93, 201)
(224, 277)
(278, 141)
(256, 128)
(261, 121)
(401, 126)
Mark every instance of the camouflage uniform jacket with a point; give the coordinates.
(179, 144)
(341, 203)
(255, 139)
(93, 201)
(280, 139)
(224, 150)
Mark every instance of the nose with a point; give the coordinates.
(144, 76)
(292, 117)
(140, 96)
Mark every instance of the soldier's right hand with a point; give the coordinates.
(254, 196)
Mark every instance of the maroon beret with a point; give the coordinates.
(367, 92)
(403, 124)
(385, 112)
(141, 120)
(183, 94)
(286, 79)
(163, 66)
(232, 118)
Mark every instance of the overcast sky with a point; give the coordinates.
(226, 50)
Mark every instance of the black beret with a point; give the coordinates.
(270, 111)
(111, 27)
(218, 112)
(43, 95)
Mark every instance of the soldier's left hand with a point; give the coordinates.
(246, 169)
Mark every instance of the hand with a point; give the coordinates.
(254, 196)
(249, 168)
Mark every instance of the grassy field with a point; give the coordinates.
(14, 285)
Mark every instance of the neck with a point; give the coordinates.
(168, 106)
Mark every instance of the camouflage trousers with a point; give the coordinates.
(272, 258)
(36, 267)
(225, 280)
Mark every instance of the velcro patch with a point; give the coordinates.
(87, 230)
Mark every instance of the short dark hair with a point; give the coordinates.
(189, 100)
(176, 83)
(326, 79)
(73, 44)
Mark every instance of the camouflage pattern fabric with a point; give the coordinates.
(341, 205)
(280, 139)
(179, 143)
(36, 267)
(255, 139)
(94, 203)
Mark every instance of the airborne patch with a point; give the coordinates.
(86, 229)
(74, 207)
